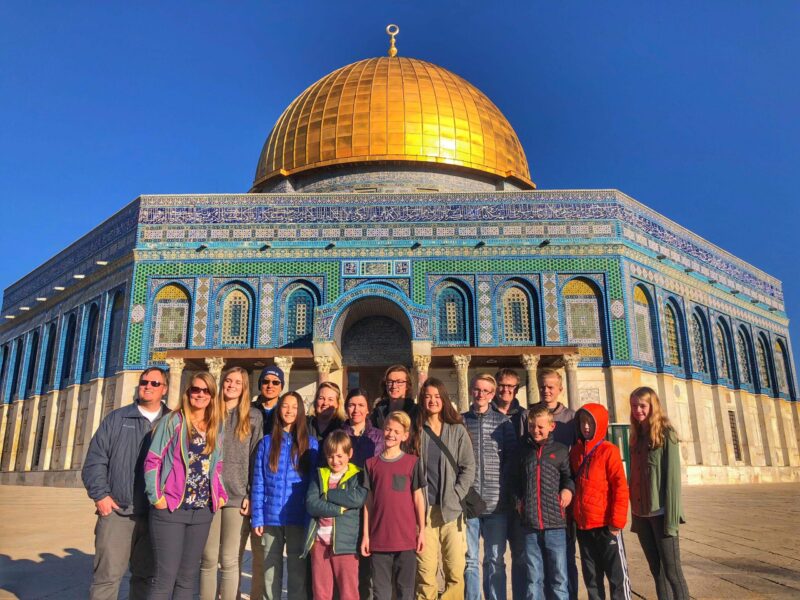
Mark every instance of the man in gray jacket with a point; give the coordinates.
(113, 477)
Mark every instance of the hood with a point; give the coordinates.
(599, 415)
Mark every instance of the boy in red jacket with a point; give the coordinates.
(600, 506)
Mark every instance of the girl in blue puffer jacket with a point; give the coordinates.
(280, 480)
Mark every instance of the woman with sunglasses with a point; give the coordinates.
(327, 414)
(183, 479)
(243, 429)
(278, 497)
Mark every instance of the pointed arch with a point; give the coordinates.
(49, 360)
(301, 300)
(16, 370)
(115, 326)
(782, 369)
(518, 312)
(722, 351)
(68, 352)
(744, 364)
(91, 339)
(453, 323)
(33, 365)
(235, 307)
(644, 325)
(673, 328)
(171, 312)
(762, 363)
(585, 321)
(700, 344)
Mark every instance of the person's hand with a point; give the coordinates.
(365, 546)
(259, 531)
(245, 510)
(614, 531)
(420, 541)
(564, 498)
(161, 504)
(105, 506)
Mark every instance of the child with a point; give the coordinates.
(544, 490)
(335, 495)
(395, 501)
(601, 505)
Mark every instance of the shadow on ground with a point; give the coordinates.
(51, 576)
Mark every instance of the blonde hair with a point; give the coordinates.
(658, 424)
(243, 408)
(401, 418)
(487, 377)
(329, 385)
(540, 410)
(213, 412)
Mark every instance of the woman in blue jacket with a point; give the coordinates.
(280, 481)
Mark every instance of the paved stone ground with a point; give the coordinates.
(740, 542)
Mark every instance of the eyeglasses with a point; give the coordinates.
(198, 390)
(478, 392)
(146, 382)
(396, 382)
(273, 382)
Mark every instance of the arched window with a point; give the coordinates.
(721, 350)
(699, 345)
(90, 345)
(642, 316)
(743, 358)
(582, 309)
(235, 319)
(781, 370)
(171, 322)
(15, 372)
(452, 321)
(516, 316)
(300, 317)
(673, 338)
(761, 361)
(113, 351)
(30, 377)
(49, 357)
(68, 352)
(4, 369)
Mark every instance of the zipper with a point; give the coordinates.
(539, 486)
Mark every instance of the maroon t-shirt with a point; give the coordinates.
(392, 519)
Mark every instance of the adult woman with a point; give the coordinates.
(367, 441)
(327, 414)
(182, 472)
(655, 491)
(243, 430)
(280, 481)
(449, 480)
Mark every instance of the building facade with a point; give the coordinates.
(393, 219)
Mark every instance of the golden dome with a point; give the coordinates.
(392, 109)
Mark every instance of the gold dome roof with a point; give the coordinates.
(392, 109)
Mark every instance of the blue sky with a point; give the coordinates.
(690, 107)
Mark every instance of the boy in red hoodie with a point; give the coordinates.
(600, 506)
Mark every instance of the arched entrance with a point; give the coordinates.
(374, 333)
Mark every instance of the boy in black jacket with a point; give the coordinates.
(544, 490)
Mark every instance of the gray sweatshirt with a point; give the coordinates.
(238, 456)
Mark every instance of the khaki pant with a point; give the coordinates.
(451, 538)
(224, 547)
(120, 542)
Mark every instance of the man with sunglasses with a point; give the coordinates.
(270, 386)
(113, 477)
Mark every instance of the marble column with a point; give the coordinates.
(215, 364)
(421, 364)
(284, 363)
(461, 362)
(176, 366)
(531, 364)
(571, 362)
(324, 364)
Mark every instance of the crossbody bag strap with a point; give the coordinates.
(586, 460)
(438, 441)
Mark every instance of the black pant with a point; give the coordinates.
(603, 554)
(178, 540)
(664, 557)
(393, 571)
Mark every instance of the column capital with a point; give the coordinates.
(177, 364)
(324, 363)
(422, 362)
(571, 361)
(284, 363)
(530, 361)
(461, 361)
(215, 364)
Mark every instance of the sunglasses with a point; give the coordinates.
(146, 382)
(198, 390)
(274, 382)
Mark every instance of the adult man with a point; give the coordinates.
(270, 385)
(505, 402)
(113, 477)
(396, 388)
(550, 388)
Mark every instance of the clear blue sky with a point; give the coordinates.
(690, 107)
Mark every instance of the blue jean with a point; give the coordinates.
(516, 543)
(546, 561)
(493, 530)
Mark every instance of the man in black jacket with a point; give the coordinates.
(114, 478)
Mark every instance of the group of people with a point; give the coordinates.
(375, 501)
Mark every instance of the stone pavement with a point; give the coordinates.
(740, 542)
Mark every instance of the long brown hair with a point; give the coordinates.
(213, 412)
(243, 407)
(658, 424)
(448, 415)
(299, 434)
